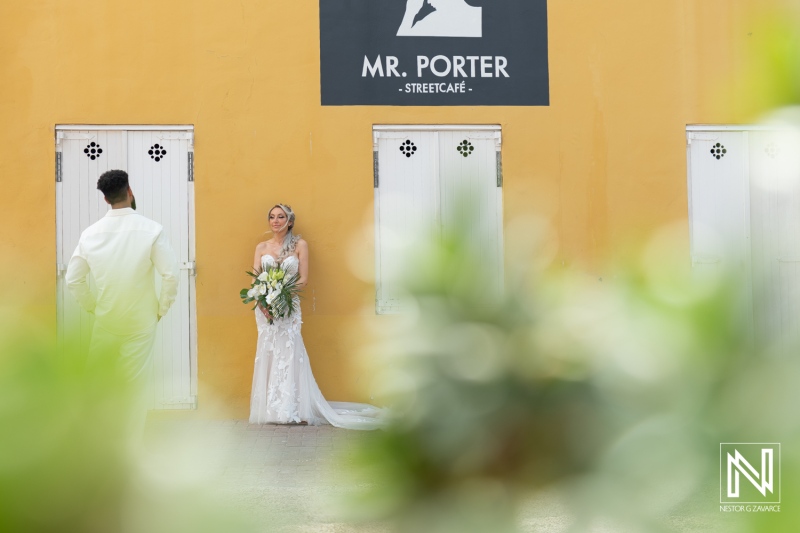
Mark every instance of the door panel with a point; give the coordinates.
(158, 168)
(81, 206)
(718, 201)
(775, 216)
(405, 205)
(471, 197)
(719, 213)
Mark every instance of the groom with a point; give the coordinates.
(121, 251)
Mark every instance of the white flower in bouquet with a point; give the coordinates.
(263, 276)
(262, 289)
(272, 296)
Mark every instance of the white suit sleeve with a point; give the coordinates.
(163, 259)
(77, 270)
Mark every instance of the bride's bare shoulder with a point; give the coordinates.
(301, 243)
(261, 247)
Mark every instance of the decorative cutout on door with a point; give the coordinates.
(408, 148)
(465, 148)
(92, 150)
(772, 150)
(718, 151)
(157, 152)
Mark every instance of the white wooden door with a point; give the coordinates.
(158, 162)
(744, 214)
(422, 176)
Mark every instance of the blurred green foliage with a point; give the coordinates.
(770, 63)
(613, 394)
(68, 460)
(61, 455)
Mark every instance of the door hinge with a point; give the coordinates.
(375, 169)
(190, 266)
(499, 169)
(191, 166)
(58, 167)
(61, 269)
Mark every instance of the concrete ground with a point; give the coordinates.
(295, 478)
(282, 477)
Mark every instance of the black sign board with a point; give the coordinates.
(434, 52)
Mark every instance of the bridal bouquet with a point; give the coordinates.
(273, 290)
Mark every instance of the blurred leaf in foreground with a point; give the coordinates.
(613, 395)
(65, 455)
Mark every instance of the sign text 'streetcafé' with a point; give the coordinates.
(434, 52)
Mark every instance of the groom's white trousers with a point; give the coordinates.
(134, 359)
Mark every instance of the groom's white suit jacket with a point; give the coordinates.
(121, 250)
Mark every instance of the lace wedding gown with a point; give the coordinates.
(284, 389)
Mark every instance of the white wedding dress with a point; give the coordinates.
(284, 389)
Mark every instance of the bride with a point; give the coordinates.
(284, 389)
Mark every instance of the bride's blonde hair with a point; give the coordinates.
(290, 240)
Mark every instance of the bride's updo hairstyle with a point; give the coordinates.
(290, 240)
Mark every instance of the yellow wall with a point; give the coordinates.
(604, 162)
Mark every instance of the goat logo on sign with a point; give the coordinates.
(441, 18)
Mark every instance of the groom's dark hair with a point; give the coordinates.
(114, 185)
